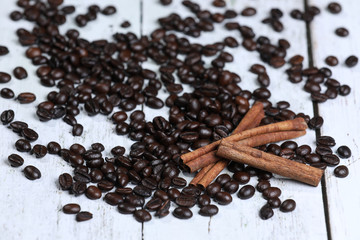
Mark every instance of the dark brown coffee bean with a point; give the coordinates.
(341, 171)
(32, 173)
(246, 192)
(316, 122)
(29, 134)
(323, 150)
(142, 215)
(39, 151)
(126, 208)
(213, 188)
(113, 198)
(204, 200)
(262, 185)
(23, 145)
(78, 188)
(71, 208)
(7, 93)
(65, 181)
(274, 202)
(231, 187)
(93, 192)
(331, 159)
(178, 182)
(208, 210)
(341, 32)
(271, 192)
(53, 148)
(142, 191)
(351, 61)
(4, 77)
(77, 130)
(344, 90)
(241, 177)
(326, 141)
(223, 198)
(17, 15)
(288, 205)
(266, 212)
(15, 160)
(344, 152)
(182, 213)
(289, 145)
(20, 73)
(249, 11)
(109, 10)
(331, 61)
(334, 7)
(185, 201)
(83, 216)
(154, 102)
(26, 97)
(312, 158)
(7, 116)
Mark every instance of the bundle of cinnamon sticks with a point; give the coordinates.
(213, 158)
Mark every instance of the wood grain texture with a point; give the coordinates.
(341, 116)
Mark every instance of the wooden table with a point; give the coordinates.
(32, 209)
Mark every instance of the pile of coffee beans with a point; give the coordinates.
(107, 77)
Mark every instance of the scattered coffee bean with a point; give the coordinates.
(223, 198)
(109, 10)
(77, 130)
(182, 213)
(246, 192)
(341, 171)
(341, 32)
(288, 205)
(249, 11)
(4, 50)
(266, 212)
(4, 77)
(334, 7)
(344, 90)
(15, 160)
(344, 152)
(26, 97)
(29, 134)
(53, 147)
(125, 24)
(209, 210)
(83, 216)
(71, 208)
(32, 173)
(316, 122)
(142, 215)
(7, 116)
(7, 93)
(271, 192)
(93, 192)
(20, 73)
(65, 181)
(23, 145)
(331, 61)
(274, 202)
(39, 151)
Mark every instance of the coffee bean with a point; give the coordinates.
(249, 11)
(274, 202)
(178, 182)
(323, 150)
(7, 93)
(71, 208)
(4, 50)
(344, 152)
(77, 130)
(262, 185)
(231, 187)
(223, 179)
(154, 102)
(223, 198)
(15, 160)
(142, 191)
(185, 201)
(109, 10)
(241, 177)
(271, 192)
(351, 61)
(312, 158)
(53, 148)
(4, 77)
(246, 192)
(326, 141)
(26, 97)
(289, 145)
(344, 90)
(83, 216)
(266, 212)
(39, 151)
(341, 171)
(29, 134)
(126, 208)
(209, 210)
(23, 145)
(331, 159)
(7, 116)
(331, 61)
(20, 73)
(32, 173)
(113, 198)
(213, 188)
(93, 192)
(341, 32)
(288, 205)
(316, 122)
(182, 213)
(142, 215)
(334, 7)
(78, 188)
(65, 181)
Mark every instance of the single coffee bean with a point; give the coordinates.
(78, 188)
(113, 198)
(7, 116)
(231, 187)
(204, 200)
(77, 130)
(341, 32)
(331, 61)
(344, 152)
(32, 173)
(288, 205)
(223, 198)
(209, 210)
(125, 24)
(341, 171)
(109, 10)
(7, 93)
(4, 77)
(4, 50)
(142, 191)
(303, 150)
(323, 150)
(23, 145)
(65, 181)
(271, 192)
(53, 148)
(334, 7)
(71, 208)
(223, 178)
(126, 208)
(26, 97)
(241, 177)
(142, 215)
(93, 192)
(316, 122)
(246, 192)
(185, 201)
(83, 216)
(165, 2)
(344, 90)
(178, 182)
(182, 213)
(15, 160)
(39, 151)
(274, 202)
(266, 212)
(153, 204)
(20, 73)
(213, 188)
(262, 185)
(247, 12)
(326, 141)
(29, 134)
(351, 61)
(331, 159)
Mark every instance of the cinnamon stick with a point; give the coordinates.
(289, 125)
(211, 157)
(268, 162)
(208, 173)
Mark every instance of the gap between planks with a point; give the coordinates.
(317, 131)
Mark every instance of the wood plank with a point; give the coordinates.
(241, 218)
(341, 115)
(32, 210)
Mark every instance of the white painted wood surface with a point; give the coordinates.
(31, 210)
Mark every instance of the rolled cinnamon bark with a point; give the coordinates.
(271, 163)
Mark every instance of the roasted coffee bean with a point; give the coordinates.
(334, 7)
(289, 144)
(142, 191)
(109, 10)
(71, 208)
(83, 216)
(153, 204)
(204, 200)
(182, 213)
(125, 24)
(165, 2)
(231, 187)
(351, 61)
(23, 145)
(53, 148)
(274, 202)
(118, 151)
(178, 182)
(32, 173)
(4, 77)
(124, 191)
(312, 158)
(26, 97)
(223, 179)
(93, 192)
(316, 122)
(331, 61)
(65, 181)
(163, 210)
(16, 15)
(185, 201)
(78, 188)
(223, 198)
(323, 150)
(249, 11)
(20, 73)
(326, 141)
(15, 160)
(266, 212)
(344, 152)
(113, 198)
(7, 116)
(331, 159)
(241, 177)
(29, 134)
(208, 210)
(126, 208)
(142, 215)
(213, 188)
(344, 90)
(341, 171)
(7, 93)
(77, 130)
(271, 192)
(39, 151)
(341, 32)
(246, 192)
(288, 205)
(154, 102)
(262, 185)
